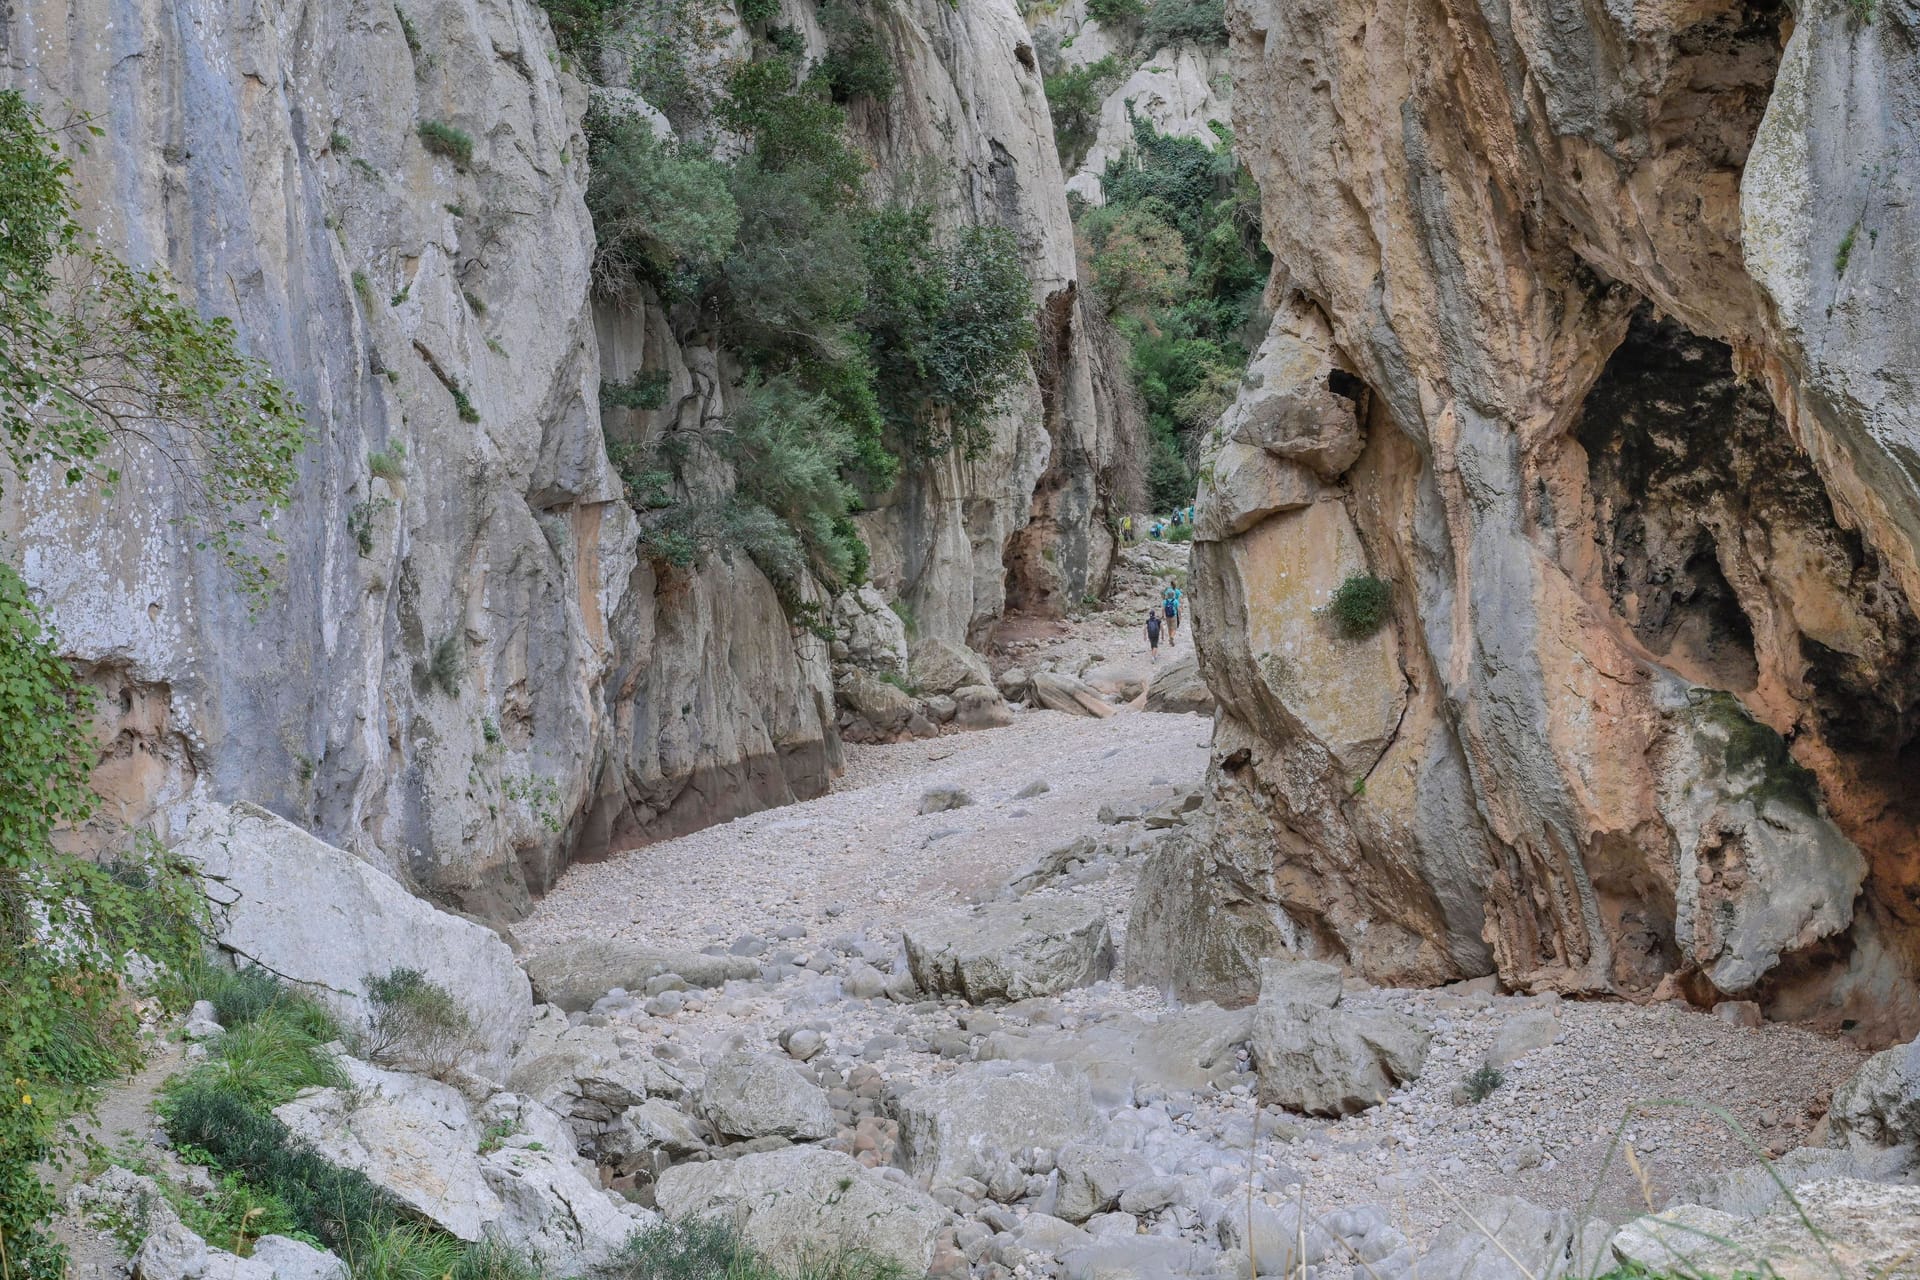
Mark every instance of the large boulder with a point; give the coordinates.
(418, 1140)
(763, 1095)
(1184, 1051)
(974, 1121)
(1141, 1258)
(1115, 681)
(792, 1204)
(867, 632)
(1059, 691)
(1092, 1180)
(1012, 950)
(1880, 1105)
(593, 1074)
(1506, 1238)
(939, 665)
(885, 707)
(1315, 1056)
(1177, 686)
(322, 918)
(575, 974)
(980, 706)
(1859, 1228)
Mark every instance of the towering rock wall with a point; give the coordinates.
(468, 676)
(1591, 342)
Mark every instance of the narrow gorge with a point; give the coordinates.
(980, 639)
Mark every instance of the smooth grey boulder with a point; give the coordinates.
(292, 1259)
(868, 632)
(1859, 1228)
(1058, 691)
(1880, 1105)
(325, 920)
(574, 975)
(1317, 1057)
(972, 1122)
(788, 1204)
(979, 706)
(1520, 1035)
(1012, 950)
(1670, 1240)
(1185, 1050)
(1506, 1238)
(939, 665)
(1177, 687)
(1280, 1244)
(1141, 1258)
(419, 1141)
(654, 1125)
(591, 1074)
(171, 1253)
(885, 707)
(763, 1095)
(942, 798)
(1092, 1180)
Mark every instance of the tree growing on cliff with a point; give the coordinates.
(97, 360)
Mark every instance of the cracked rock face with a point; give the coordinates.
(1637, 456)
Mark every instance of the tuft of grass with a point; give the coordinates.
(442, 139)
(1359, 605)
(442, 668)
(340, 142)
(404, 1251)
(408, 30)
(389, 463)
(463, 406)
(1481, 1082)
(474, 302)
(266, 1061)
(243, 996)
(457, 210)
(363, 288)
(1180, 533)
(401, 296)
(1844, 253)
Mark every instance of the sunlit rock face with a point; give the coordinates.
(1619, 305)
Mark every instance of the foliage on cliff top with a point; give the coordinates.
(97, 358)
(1174, 257)
(869, 339)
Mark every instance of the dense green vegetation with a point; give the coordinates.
(1361, 604)
(95, 357)
(1174, 256)
(869, 342)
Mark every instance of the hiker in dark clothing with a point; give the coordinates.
(1153, 633)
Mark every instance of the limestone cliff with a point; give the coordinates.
(469, 677)
(1592, 340)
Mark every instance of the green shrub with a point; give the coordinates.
(856, 64)
(1481, 1082)
(1180, 533)
(389, 463)
(754, 12)
(1109, 13)
(788, 451)
(1190, 22)
(417, 1024)
(1360, 605)
(405, 1251)
(444, 665)
(363, 288)
(644, 390)
(579, 26)
(489, 1261)
(1074, 98)
(408, 32)
(1844, 253)
(463, 406)
(662, 213)
(695, 1249)
(443, 139)
(1169, 480)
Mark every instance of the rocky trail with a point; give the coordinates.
(898, 1017)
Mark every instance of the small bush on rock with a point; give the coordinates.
(444, 140)
(416, 1024)
(1481, 1083)
(1360, 604)
(694, 1249)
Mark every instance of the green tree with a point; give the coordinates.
(96, 359)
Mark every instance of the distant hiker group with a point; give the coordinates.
(1160, 528)
(1164, 617)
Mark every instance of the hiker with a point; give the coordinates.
(1126, 528)
(1170, 601)
(1153, 633)
(1155, 530)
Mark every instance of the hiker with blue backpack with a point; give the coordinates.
(1170, 606)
